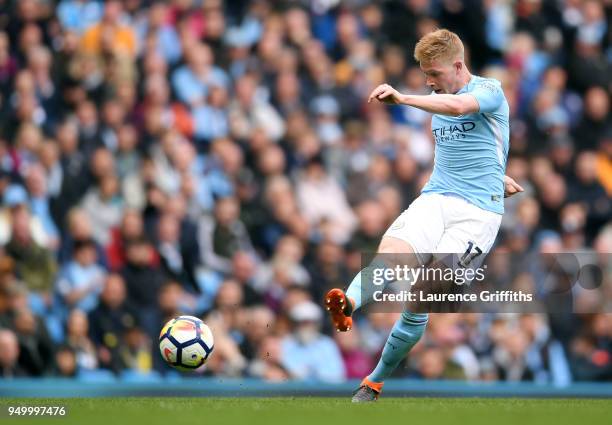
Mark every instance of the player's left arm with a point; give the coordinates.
(511, 187)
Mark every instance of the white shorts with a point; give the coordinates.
(446, 224)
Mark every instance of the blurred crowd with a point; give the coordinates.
(217, 158)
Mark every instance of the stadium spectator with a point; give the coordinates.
(104, 207)
(323, 203)
(78, 340)
(595, 119)
(9, 355)
(286, 261)
(259, 324)
(35, 345)
(222, 236)
(306, 353)
(130, 228)
(223, 321)
(36, 184)
(433, 363)
(34, 263)
(110, 35)
(249, 111)
(591, 353)
(79, 228)
(110, 320)
(193, 80)
(136, 351)
(65, 362)
(78, 15)
(357, 361)
(141, 275)
(80, 281)
(268, 364)
(245, 272)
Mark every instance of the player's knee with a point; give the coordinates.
(394, 252)
(390, 245)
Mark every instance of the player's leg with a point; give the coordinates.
(409, 241)
(468, 230)
(418, 229)
(468, 236)
(406, 332)
(341, 305)
(409, 328)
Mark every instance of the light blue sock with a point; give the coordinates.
(360, 293)
(405, 333)
(354, 290)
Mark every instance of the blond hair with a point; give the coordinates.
(439, 45)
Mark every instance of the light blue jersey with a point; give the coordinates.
(471, 150)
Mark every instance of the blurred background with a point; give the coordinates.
(217, 158)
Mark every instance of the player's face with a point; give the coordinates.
(442, 76)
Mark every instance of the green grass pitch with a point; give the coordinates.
(316, 411)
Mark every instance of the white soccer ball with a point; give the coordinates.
(185, 343)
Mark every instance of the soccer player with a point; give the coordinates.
(461, 206)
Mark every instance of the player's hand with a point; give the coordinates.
(511, 187)
(386, 94)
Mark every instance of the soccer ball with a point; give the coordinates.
(185, 343)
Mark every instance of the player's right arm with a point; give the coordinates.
(444, 104)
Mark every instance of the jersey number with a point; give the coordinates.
(468, 256)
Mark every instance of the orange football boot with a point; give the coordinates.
(367, 391)
(340, 308)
